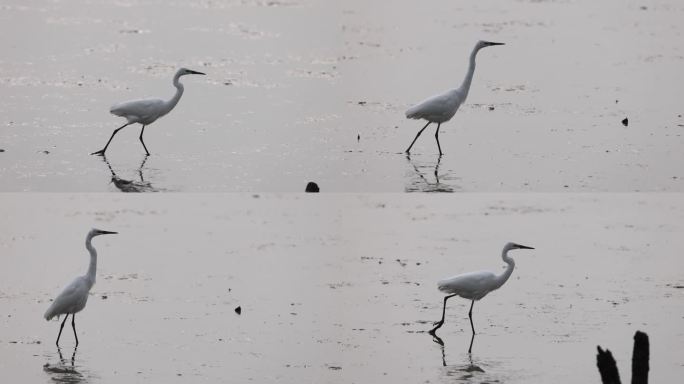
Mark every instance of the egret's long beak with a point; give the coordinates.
(524, 247)
(195, 72)
(492, 43)
(108, 233)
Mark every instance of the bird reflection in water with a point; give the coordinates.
(469, 371)
(418, 182)
(125, 185)
(65, 371)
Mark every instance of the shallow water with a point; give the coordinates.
(316, 90)
(340, 288)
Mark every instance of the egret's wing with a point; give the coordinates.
(469, 284)
(68, 298)
(138, 109)
(431, 107)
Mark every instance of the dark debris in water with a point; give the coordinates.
(238, 310)
(625, 122)
(312, 187)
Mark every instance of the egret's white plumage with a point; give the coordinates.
(441, 108)
(74, 297)
(476, 285)
(147, 111)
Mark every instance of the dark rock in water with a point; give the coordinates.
(640, 366)
(491, 107)
(607, 367)
(358, 137)
(312, 187)
(104, 297)
(625, 122)
(45, 152)
(238, 310)
(2, 150)
(640, 357)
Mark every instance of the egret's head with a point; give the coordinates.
(185, 71)
(482, 44)
(510, 246)
(97, 232)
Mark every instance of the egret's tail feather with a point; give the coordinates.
(413, 113)
(49, 314)
(445, 285)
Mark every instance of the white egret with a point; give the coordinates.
(441, 108)
(475, 286)
(74, 297)
(147, 111)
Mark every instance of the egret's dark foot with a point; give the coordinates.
(101, 152)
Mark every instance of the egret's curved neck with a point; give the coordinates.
(179, 92)
(465, 86)
(93, 260)
(502, 278)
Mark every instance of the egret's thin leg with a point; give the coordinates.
(73, 326)
(142, 180)
(59, 351)
(416, 138)
(439, 323)
(470, 315)
(141, 140)
(102, 151)
(437, 138)
(60, 329)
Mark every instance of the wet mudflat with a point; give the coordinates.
(316, 90)
(340, 289)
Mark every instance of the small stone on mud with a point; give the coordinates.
(238, 310)
(312, 187)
